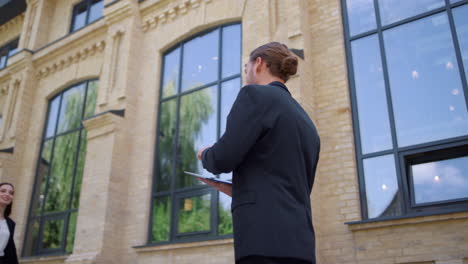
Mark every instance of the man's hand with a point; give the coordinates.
(199, 155)
(222, 187)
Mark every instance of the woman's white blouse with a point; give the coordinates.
(4, 236)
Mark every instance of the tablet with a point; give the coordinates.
(208, 178)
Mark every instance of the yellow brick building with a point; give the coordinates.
(103, 103)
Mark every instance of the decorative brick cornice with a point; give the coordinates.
(19, 19)
(170, 13)
(71, 58)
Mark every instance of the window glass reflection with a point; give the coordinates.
(197, 129)
(361, 16)
(91, 98)
(440, 180)
(395, 10)
(224, 212)
(231, 50)
(194, 214)
(229, 92)
(53, 115)
(371, 98)
(72, 108)
(460, 15)
(71, 232)
(3, 57)
(61, 176)
(171, 73)
(200, 63)
(166, 141)
(161, 219)
(425, 82)
(381, 187)
(80, 17)
(95, 11)
(52, 234)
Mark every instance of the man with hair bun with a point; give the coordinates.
(272, 147)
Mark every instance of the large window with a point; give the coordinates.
(407, 64)
(200, 81)
(85, 13)
(55, 200)
(7, 51)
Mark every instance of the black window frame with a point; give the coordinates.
(88, 4)
(404, 156)
(7, 48)
(175, 193)
(65, 215)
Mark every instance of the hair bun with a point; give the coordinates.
(289, 65)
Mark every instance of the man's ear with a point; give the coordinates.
(258, 64)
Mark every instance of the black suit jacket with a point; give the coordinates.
(272, 147)
(10, 256)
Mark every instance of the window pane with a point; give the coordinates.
(161, 219)
(3, 57)
(32, 237)
(171, 73)
(371, 98)
(52, 234)
(71, 232)
(197, 129)
(225, 218)
(13, 48)
(79, 170)
(396, 10)
(361, 16)
(427, 93)
(79, 20)
(95, 11)
(200, 64)
(61, 176)
(194, 214)
(231, 50)
(72, 108)
(381, 186)
(440, 180)
(460, 16)
(455, 1)
(229, 91)
(166, 141)
(53, 114)
(91, 98)
(43, 170)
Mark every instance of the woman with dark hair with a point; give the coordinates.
(272, 147)
(7, 226)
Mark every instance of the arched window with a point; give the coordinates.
(200, 81)
(54, 204)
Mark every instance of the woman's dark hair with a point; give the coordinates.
(8, 208)
(278, 59)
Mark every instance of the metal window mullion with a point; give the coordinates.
(401, 182)
(458, 54)
(168, 98)
(174, 218)
(88, 10)
(458, 4)
(355, 116)
(215, 193)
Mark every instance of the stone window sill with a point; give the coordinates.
(175, 246)
(410, 220)
(43, 259)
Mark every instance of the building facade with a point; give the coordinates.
(104, 103)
